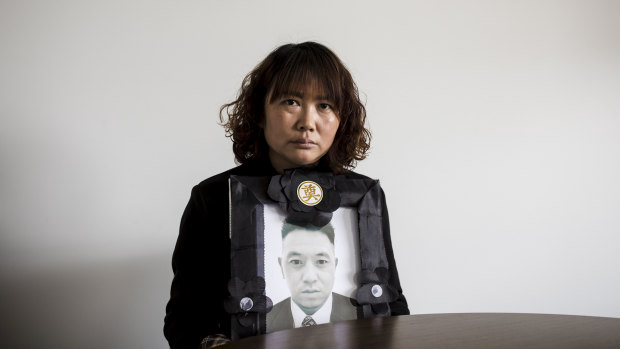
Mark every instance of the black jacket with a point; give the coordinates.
(201, 261)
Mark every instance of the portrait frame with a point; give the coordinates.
(248, 197)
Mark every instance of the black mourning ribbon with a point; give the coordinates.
(365, 295)
(238, 303)
(283, 189)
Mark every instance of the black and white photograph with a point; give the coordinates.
(310, 271)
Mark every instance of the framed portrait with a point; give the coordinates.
(306, 248)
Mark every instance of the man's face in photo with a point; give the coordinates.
(308, 264)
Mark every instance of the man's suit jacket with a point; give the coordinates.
(281, 318)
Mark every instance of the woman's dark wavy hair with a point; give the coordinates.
(290, 68)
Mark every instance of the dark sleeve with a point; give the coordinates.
(201, 267)
(399, 306)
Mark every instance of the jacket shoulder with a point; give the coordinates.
(355, 175)
(250, 168)
(280, 316)
(221, 177)
(342, 308)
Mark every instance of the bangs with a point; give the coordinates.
(307, 69)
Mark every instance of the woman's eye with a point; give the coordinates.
(325, 106)
(290, 102)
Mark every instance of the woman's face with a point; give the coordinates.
(299, 128)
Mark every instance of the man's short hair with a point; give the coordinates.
(327, 229)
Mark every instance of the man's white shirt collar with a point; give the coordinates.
(321, 316)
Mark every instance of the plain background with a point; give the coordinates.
(496, 136)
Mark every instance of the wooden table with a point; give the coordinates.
(477, 330)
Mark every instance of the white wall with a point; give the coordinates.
(496, 131)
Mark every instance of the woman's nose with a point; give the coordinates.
(307, 117)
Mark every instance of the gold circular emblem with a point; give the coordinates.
(309, 193)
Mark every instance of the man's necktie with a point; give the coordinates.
(308, 321)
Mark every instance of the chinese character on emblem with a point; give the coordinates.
(310, 193)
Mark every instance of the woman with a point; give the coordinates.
(298, 107)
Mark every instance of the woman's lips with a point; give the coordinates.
(303, 143)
